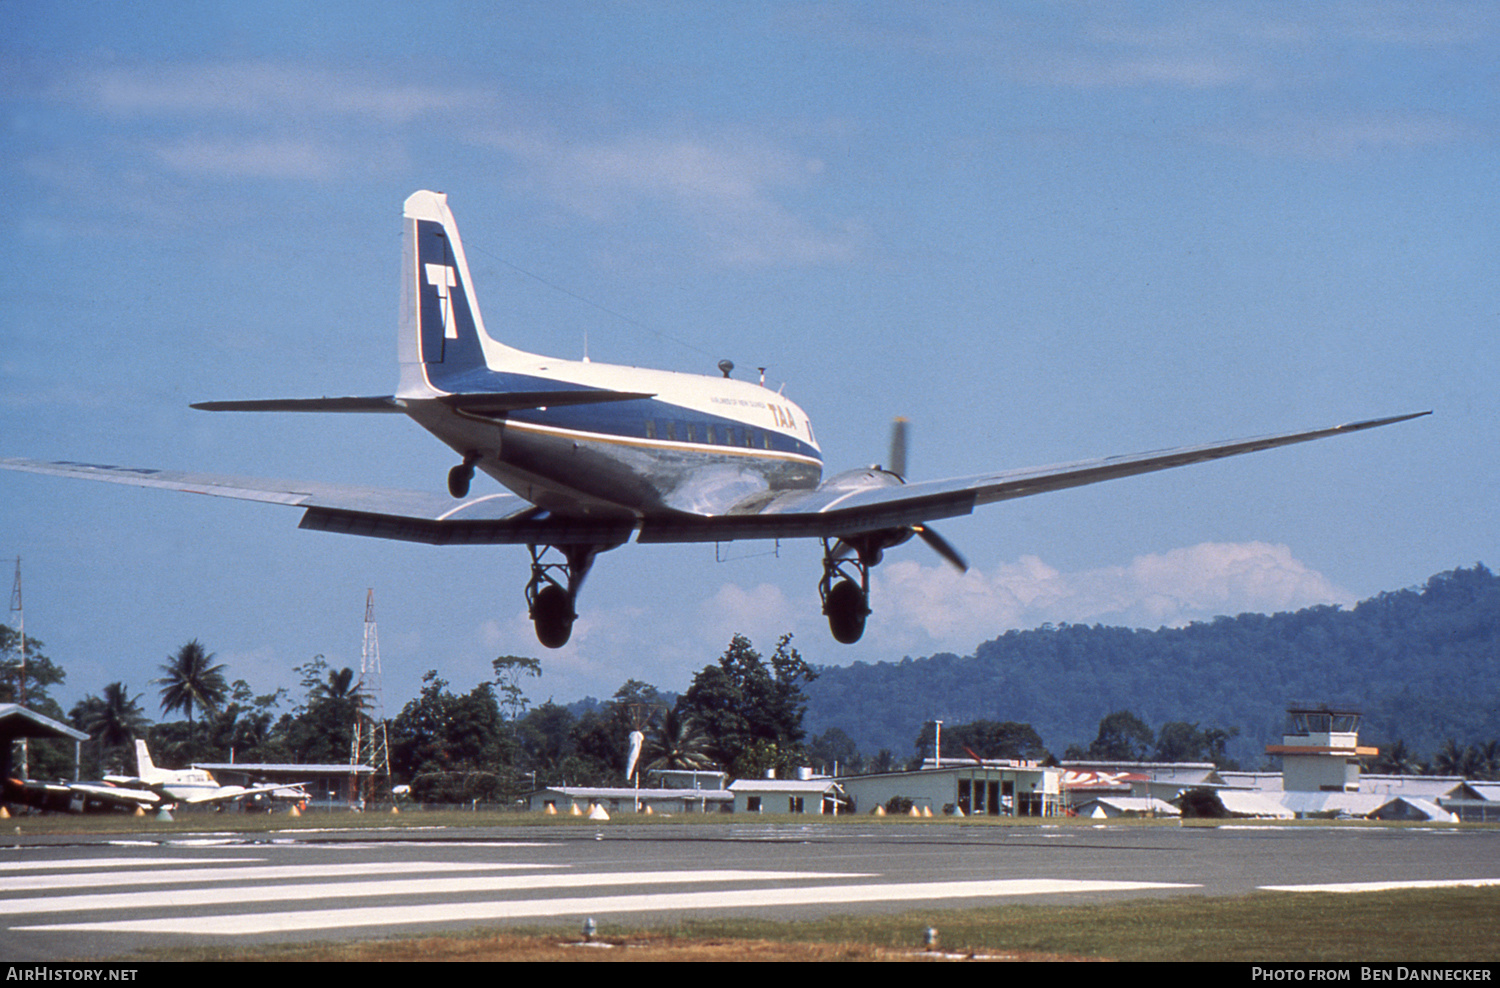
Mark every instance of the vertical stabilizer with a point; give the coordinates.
(442, 336)
(144, 768)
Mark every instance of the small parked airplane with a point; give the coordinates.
(193, 786)
(597, 454)
(151, 787)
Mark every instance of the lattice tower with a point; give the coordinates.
(370, 745)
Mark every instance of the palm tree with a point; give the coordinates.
(190, 681)
(678, 743)
(113, 720)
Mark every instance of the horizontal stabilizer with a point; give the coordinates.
(510, 401)
(379, 403)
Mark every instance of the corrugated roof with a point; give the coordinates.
(17, 721)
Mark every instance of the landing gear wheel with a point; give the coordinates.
(458, 480)
(553, 616)
(847, 609)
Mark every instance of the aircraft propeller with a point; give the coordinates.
(897, 466)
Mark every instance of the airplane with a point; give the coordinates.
(192, 786)
(595, 455)
(79, 797)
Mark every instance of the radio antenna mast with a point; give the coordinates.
(371, 746)
(19, 610)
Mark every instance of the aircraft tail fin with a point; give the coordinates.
(144, 767)
(442, 335)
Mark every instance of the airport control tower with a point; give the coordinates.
(1320, 751)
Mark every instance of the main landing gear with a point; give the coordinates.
(549, 599)
(845, 587)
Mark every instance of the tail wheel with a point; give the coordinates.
(553, 615)
(846, 607)
(458, 480)
(460, 476)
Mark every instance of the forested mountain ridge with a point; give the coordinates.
(1423, 664)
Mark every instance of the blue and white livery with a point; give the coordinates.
(596, 455)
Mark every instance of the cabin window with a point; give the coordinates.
(651, 428)
(794, 804)
(692, 433)
(672, 431)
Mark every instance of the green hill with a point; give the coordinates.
(1423, 664)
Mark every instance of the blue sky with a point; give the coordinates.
(1041, 231)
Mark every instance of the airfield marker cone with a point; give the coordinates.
(598, 813)
(294, 811)
(4, 813)
(551, 809)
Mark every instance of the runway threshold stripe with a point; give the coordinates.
(323, 891)
(473, 912)
(102, 879)
(1384, 886)
(117, 863)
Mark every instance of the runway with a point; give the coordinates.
(85, 898)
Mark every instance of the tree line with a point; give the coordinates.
(741, 715)
(1421, 663)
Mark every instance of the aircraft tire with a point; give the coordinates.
(553, 615)
(458, 480)
(846, 608)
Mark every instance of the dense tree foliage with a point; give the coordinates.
(113, 721)
(751, 713)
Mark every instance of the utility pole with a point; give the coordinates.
(18, 609)
(371, 746)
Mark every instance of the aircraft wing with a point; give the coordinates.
(411, 516)
(843, 506)
(848, 504)
(230, 793)
(77, 797)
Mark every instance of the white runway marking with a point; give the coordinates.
(116, 863)
(323, 891)
(101, 879)
(471, 912)
(1384, 886)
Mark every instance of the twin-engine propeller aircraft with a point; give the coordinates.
(150, 788)
(596, 454)
(194, 786)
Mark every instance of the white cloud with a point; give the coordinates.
(1335, 138)
(261, 90)
(252, 158)
(729, 190)
(919, 607)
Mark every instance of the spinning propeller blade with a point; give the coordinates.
(897, 465)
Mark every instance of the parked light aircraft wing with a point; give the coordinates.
(78, 797)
